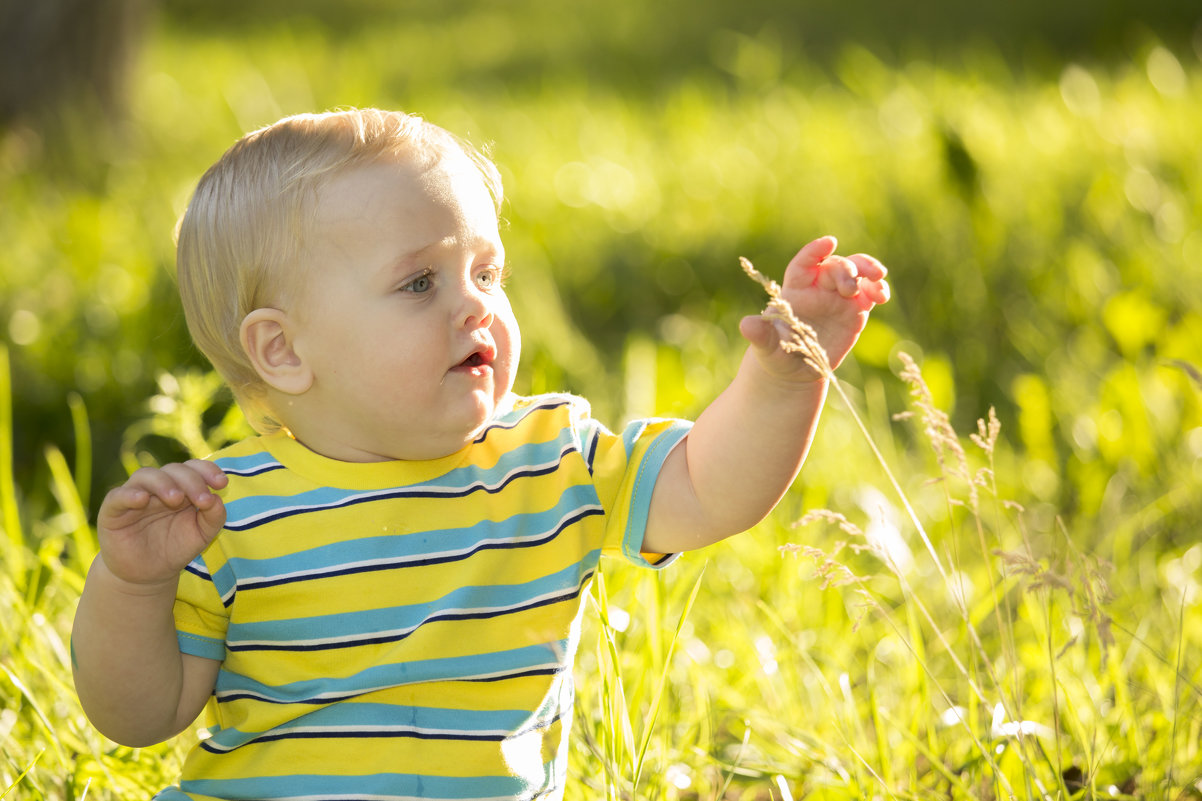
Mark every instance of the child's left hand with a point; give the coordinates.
(833, 294)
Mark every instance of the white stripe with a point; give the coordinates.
(367, 729)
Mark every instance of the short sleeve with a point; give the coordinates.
(625, 468)
(201, 613)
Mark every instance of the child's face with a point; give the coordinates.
(403, 321)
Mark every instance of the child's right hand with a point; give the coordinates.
(159, 520)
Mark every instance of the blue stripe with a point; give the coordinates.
(196, 645)
(347, 569)
(418, 549)
(251, 465)
(530, 660)
(631, 434)
(381, 785)
(396, 623)
(644, 487)
(529, 460)
(370, 721)
(223, 581)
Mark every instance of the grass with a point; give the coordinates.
(816, 658)
(1044, 640)
(1009, 672)
(997, 669)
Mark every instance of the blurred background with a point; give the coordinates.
(1028, 170)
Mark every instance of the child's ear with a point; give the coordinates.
(267, 339)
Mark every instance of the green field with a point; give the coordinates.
(993, 612)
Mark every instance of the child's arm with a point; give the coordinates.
(747, 447)
(135, 685)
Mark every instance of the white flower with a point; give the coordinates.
(1016, 728)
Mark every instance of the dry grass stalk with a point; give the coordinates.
(938, 428)
(1083, 581)
(829, 569)
(802, 339)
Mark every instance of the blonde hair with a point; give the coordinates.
(238, 243)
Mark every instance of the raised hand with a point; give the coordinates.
(159, 520)
(833, 294)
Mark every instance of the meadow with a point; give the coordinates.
(985, 583)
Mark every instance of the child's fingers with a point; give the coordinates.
(805, 267)
(192, 479)
(125, 498)
(213, 475)
(877, 291)
(839, 274)
(176, 484)
(213, 517)
(152, 482)
(868, 266)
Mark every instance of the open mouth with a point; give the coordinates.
(479, 358)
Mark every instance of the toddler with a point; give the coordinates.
(379, 596)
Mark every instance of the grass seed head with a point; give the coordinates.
(801, 338)
(937, 426)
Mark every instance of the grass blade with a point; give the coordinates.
(64, 488)
(83, 448)
(656, 700)
(9, 512)
(24, 773)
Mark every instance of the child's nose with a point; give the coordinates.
(475, 308)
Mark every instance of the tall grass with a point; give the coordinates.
(1001, 663)
(1045, 640)
(48, 750)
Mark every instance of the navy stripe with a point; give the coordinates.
(258, 470)
(547, 671)
(198, 568)
(347, 735)
(411, 734)
(592, 450)
(197, 571)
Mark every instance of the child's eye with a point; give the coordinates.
(419, 285)
(491, 277)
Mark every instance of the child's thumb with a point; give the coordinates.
(760, 333)
(212, 520)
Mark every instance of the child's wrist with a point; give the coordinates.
(101, 573)
(791, 387)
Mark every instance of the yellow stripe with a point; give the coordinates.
(356, 756)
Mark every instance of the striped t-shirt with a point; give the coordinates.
(403, 630)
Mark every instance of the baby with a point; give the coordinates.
(380, 595)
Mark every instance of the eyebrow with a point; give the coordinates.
(415, 257)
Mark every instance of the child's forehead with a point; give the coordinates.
(400, 205)
(443, 176)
